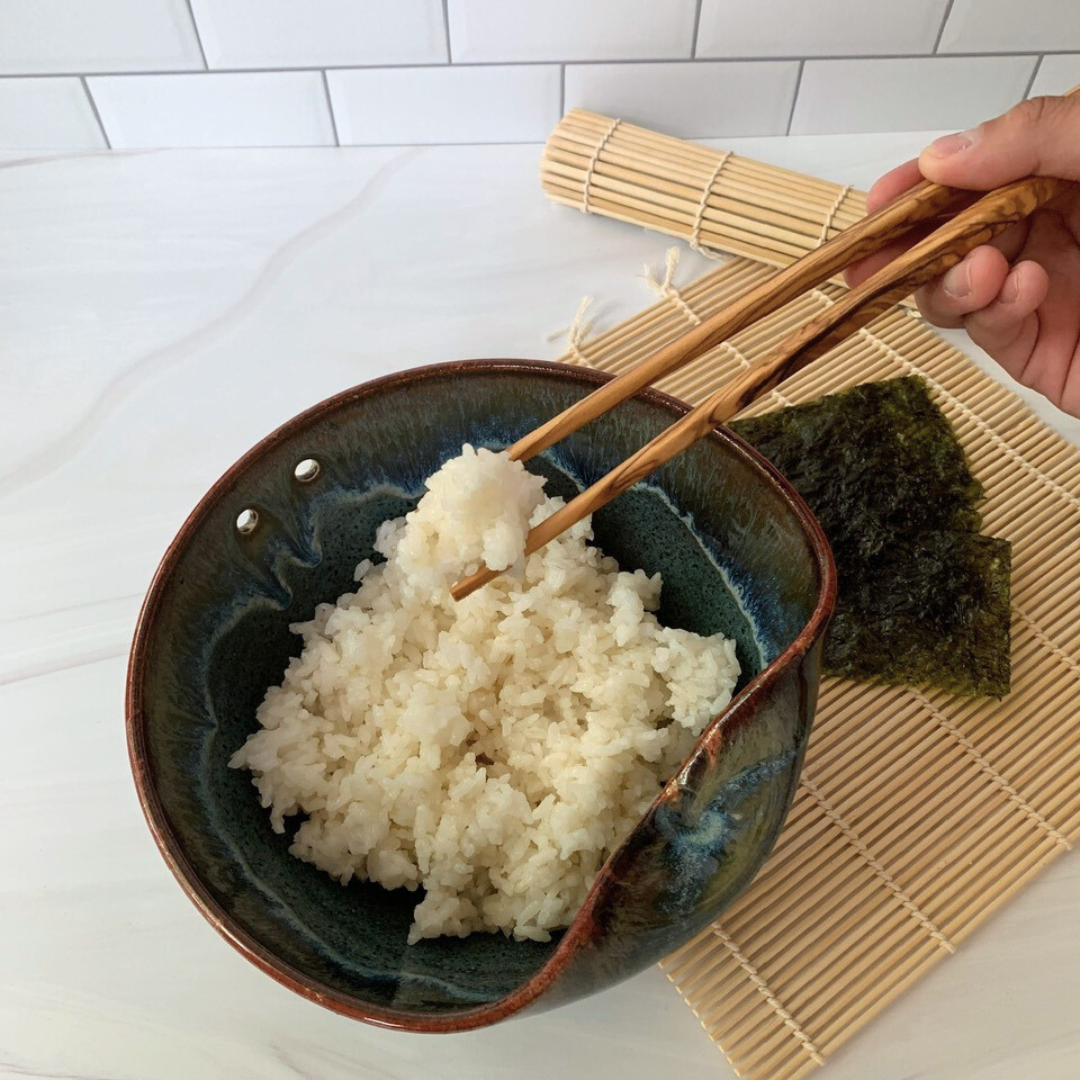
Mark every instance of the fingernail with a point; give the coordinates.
(952, 144)
(957, 282)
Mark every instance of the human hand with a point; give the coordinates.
(1018, 297)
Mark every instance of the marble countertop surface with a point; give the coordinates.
(159, 313)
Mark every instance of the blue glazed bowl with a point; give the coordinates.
(739, 552)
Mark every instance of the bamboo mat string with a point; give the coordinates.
(774, 1002)
(1006, 448)
(910, 368)
(580, 328)
(875, 865)
(740, 359)
(1056, 649)
(699, 217)
(920, 813)
(592, 164)
(1022, 804)
(831, 213)
(666, 288)
(717, 201)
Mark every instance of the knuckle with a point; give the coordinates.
(1045, 111)
(1034, 111)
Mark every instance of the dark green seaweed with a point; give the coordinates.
(931, 610)
(922, 597)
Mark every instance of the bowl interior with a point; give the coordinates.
(215, 634)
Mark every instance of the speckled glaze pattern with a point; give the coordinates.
(739, 552)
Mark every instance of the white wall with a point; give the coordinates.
(138, 73)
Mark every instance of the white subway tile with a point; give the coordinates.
(509, 30)
(278, 108)
(320, 33)
(1011, 26)
(445, 104)
(1056, 74)
(46, 114)
(705, 99)
(53, 36)
(907, 95)
(818, 28)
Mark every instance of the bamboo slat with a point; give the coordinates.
(918, 813)
(715, 200)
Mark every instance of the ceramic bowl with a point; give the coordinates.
(739, 553)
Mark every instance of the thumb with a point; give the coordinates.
(1039, 137)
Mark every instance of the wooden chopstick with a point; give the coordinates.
(980, 222)
(923, 203)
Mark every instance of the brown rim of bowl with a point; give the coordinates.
(738, 712)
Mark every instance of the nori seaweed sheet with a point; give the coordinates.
(922, 597)
(934, 609)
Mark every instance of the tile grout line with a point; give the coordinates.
(330, 107)
(562, 89)
(1031, 81)
(94, 110)
(694, 34)
(795, 96)
(446, 30)
(941, 28)
(198, 36)
(1029, 54)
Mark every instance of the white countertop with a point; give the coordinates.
(160, 312)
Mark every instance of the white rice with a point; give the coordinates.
(496, 750)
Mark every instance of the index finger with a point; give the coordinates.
(893, 184)
(887, 189)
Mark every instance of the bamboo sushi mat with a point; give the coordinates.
(918, 813)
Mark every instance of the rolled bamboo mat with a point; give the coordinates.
(918, 813)
(716, 200)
